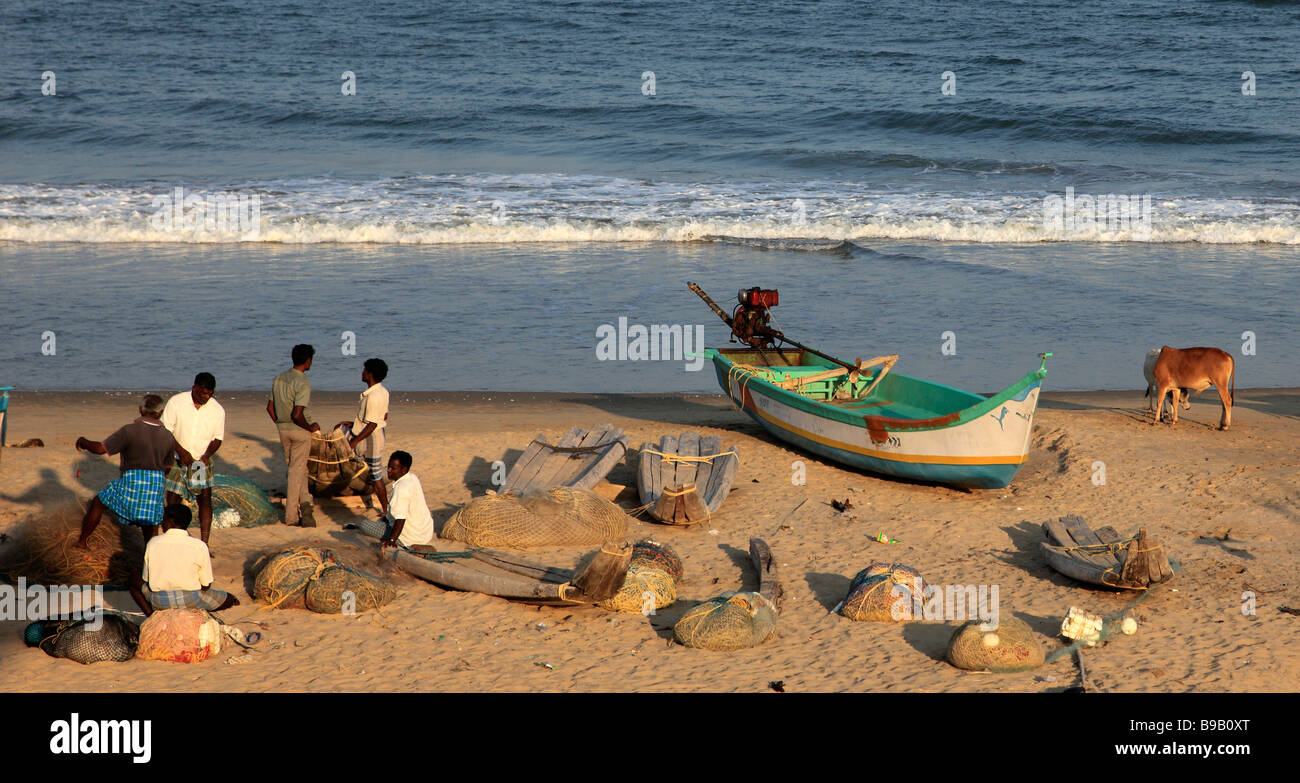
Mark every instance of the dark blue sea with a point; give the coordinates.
(471, 190)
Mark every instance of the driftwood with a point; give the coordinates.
(769, 585)
(1101, 558)
(580, 460)
(506, 575)
(680, 483)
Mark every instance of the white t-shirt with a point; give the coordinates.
(407, 502)
(373, 408)
(176, 560)
(194, 428)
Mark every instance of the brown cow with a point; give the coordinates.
(1195, 369)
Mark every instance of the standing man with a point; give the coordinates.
(199, 424)
(136, 497)
(365, 433)
(290, 396)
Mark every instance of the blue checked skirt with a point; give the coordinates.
(210, 600)
(136, 498)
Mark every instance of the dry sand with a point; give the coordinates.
(1182, 484)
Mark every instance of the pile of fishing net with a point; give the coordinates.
(179, 635)
(1012, 647)
(334, 468)
(237, 502)
(651, 582)
(558, 517)
(732, 621)
(42, 550)
(111, 638)
(315, 579)
(872, 594)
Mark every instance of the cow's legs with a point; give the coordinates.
(1151, 400)
(1173, 409)
(1224, 398)
(1160, 403)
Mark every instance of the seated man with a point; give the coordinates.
(408, 522)
(177, 569)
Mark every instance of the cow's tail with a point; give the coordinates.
(1232, 385)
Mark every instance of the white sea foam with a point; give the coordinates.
(502, 209)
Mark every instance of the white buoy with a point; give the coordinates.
(1129, 626)
(991, 640)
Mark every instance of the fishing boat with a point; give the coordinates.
(863, 415)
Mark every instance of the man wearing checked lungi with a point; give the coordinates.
(136, 497)
(177, 569)
(199, 424)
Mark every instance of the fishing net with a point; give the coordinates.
(334, 468)
(1012, 647)
(41, 549)
(115, 639)
(732, 621)
(281, 578)
(237, 502)
(872, 595)
(657, 555)
(315, 579)
(179, 635)
(646, 589)
(340, 588)
(558, 517)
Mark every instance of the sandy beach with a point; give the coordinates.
(1183, 484)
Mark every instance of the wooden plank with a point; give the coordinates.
(710, 445)
(602, 463)
(555, 462)
(688, 445)
(573, 467)
(668, 445)
(527, 465)
(796, 381)
(460, 577)
(721, 479)
(691, 507)
(604, 574)
(1077, 533)
(647, 472)
(769, 584)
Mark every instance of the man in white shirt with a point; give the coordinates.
(365, 433)
(178, 569)
(199, 424)
(408, 522)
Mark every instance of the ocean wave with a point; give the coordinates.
(538, 208)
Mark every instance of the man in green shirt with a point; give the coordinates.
(290, 396)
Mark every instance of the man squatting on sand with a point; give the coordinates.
(287, 407)
(199, 424)
(365, 433)
(408, 522)
(177, 569)
(136, 497)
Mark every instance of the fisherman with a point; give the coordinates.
(365, 433)
(199, 424)
(408, 522)
(178, 569)
(135, 497)
(287, 407)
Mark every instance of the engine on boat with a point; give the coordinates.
(751, 320)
